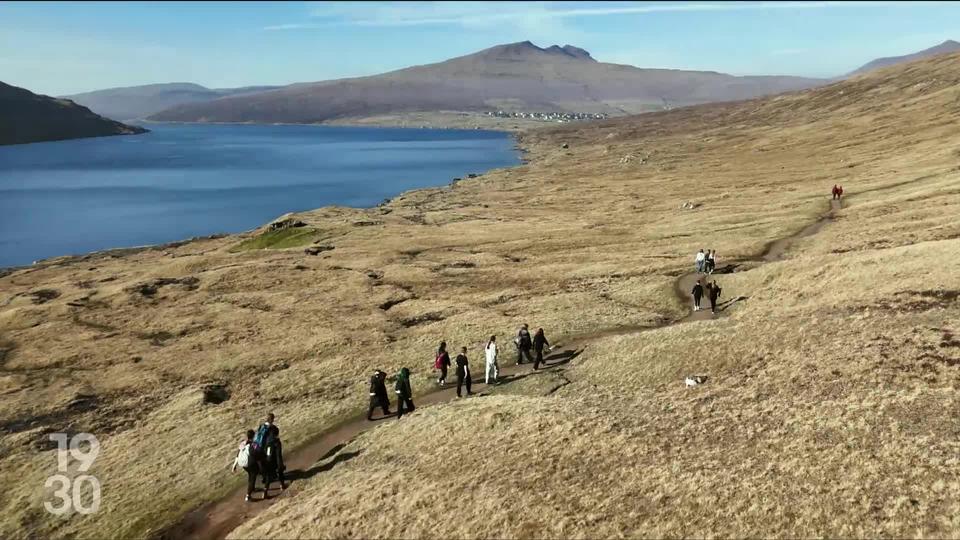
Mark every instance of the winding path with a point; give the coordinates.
(216, 519)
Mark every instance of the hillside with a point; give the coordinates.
(516, 77)
(948, 46)
(832, 367)
(28, 117)
(139, 102)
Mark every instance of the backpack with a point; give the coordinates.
(262, 438)
(243, 456)
(438, 363)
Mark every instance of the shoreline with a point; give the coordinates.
(121, 251)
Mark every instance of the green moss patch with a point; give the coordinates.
(280, 239)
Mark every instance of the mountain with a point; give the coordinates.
(137, 102)
(512, 77)
(948, 46)
(29, 117)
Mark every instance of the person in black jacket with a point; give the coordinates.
(404, 392)
(524, 344)
(442, 363)
(274, 458)
(463, 372)
(697, 295)
(714, 291)
(539, 342)
(378, 394)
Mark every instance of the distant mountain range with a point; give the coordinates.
(513, 77)
(948, 46)
(517, 77)
(28, 117)
(139, 102)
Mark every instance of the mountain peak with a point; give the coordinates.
(525, 48)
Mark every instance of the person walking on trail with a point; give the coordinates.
(274, 455)
(835, 192)
(404, 393)
(701, 260)
(697, 293)
(490, 351)
(463, 372)
(839, 192)
(246, 459)
(539, 342)
(378, 394)
(261, 440)
(441, 363)
(711, 261)
(714, 291)
(524, 344)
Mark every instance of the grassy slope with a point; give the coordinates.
(820, 417)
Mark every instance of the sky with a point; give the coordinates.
(59, 48)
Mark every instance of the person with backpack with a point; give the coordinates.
(524, 344)
(442, 362)
(246, 460)
(700, 261)
(274, 460)
(404, 393)
(463, 372)
(697, 293)
(378, 394)
(490, 351)
(714, 291)
(539, 342)
(261, 440)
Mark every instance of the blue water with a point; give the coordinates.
(180, 181)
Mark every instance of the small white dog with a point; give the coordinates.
(694, 380)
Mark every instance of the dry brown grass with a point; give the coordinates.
(829, 410)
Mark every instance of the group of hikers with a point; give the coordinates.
(706, 262)
(525, 343)
(837, 192)
(261, 453)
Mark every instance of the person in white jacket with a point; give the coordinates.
(701, 261)
(491, 356)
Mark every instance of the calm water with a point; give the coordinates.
(179, 181)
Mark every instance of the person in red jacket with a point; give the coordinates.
(836, 192)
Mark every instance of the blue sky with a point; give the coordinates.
(60, 48)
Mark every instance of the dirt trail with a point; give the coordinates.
(216, 519)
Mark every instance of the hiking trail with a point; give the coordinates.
(216, 519)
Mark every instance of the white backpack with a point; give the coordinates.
(243, 456)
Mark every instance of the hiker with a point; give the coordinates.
(261, 440)
(463, 372)
(835, 192)
(274, 460)
(714, 291)
(491, 356)
(697, 293)
(839, 192)
(524, 343)
(711, 261)
(378, 394)
(539, 342)
(442, 362)
(700, 260)
(404, 393)
(246, 459)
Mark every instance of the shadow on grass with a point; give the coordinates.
(319, 468)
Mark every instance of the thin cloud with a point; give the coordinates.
(483, 13)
